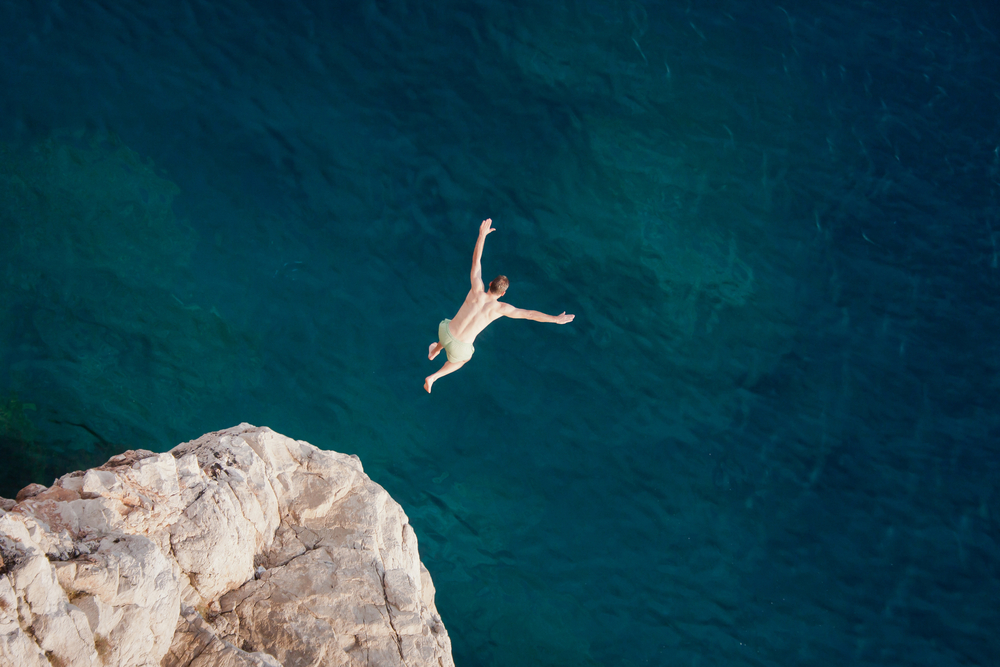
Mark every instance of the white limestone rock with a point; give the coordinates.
(242, 548)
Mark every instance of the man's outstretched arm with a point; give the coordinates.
(521, 314)
(477, 255)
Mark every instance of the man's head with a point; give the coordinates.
(499, 285)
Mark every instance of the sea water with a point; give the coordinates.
(770, 436)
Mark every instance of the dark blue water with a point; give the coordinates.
(769, 438)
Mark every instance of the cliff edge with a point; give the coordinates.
(242, 547)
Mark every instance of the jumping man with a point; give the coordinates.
(481, 307)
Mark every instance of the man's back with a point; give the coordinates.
(476, 313)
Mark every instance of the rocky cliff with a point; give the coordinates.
(243, 547)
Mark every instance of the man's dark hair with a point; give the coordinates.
(499, 285)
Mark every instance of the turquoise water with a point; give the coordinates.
(769, 438)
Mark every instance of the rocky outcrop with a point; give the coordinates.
(243, 547)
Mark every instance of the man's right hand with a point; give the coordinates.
(563, 318)
(486, 228)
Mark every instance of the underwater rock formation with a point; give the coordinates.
(242, 547)
(103, 323)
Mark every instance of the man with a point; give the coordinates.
(481, 307)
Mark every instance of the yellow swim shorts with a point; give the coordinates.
(458, 351)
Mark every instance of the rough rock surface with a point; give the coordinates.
(241, 548)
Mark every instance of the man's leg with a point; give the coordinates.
(449, 367)
(434, 350)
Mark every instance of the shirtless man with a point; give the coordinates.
(481, 307)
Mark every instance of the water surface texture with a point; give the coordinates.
(769, 438)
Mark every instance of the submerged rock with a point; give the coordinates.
(243, 547)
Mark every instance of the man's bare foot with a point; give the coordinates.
(433, 351)
(428, 383)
